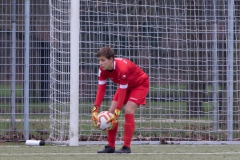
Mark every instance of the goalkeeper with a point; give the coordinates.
(133, 86)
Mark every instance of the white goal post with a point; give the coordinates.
(189, 49)
(74, 72)
(65, 24)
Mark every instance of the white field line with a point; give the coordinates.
(67, 154)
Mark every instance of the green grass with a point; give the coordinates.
(157, 107)
(19, 107)
(5, 91)
(140, 152)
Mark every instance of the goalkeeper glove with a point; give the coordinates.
(95, 115)
(114, 119)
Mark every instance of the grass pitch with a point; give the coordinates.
(139, 152)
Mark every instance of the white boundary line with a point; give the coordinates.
(67, 154)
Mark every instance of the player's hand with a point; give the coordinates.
(95, 115)
(114, 119)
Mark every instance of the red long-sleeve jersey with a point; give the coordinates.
(125, 73)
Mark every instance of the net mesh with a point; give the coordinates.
(185, 48)
(60, 69)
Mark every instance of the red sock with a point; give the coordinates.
(128, 129)
(111, 136)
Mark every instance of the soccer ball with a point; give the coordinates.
(102, 120)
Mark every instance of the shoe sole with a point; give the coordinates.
(122, 152)
(106, 152)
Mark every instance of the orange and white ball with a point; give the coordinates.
(102, 120)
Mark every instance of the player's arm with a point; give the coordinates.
(100, 92)
(99, 97)
(121, 97)
(102, 80)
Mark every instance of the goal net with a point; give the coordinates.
(188, 48)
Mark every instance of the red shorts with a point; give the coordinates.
(137, 94)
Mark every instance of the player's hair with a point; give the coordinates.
(106, 52)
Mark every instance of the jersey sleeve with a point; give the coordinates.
(102, 80)
(123, 76)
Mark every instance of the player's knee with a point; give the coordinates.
(129, 111)
(130, 108)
